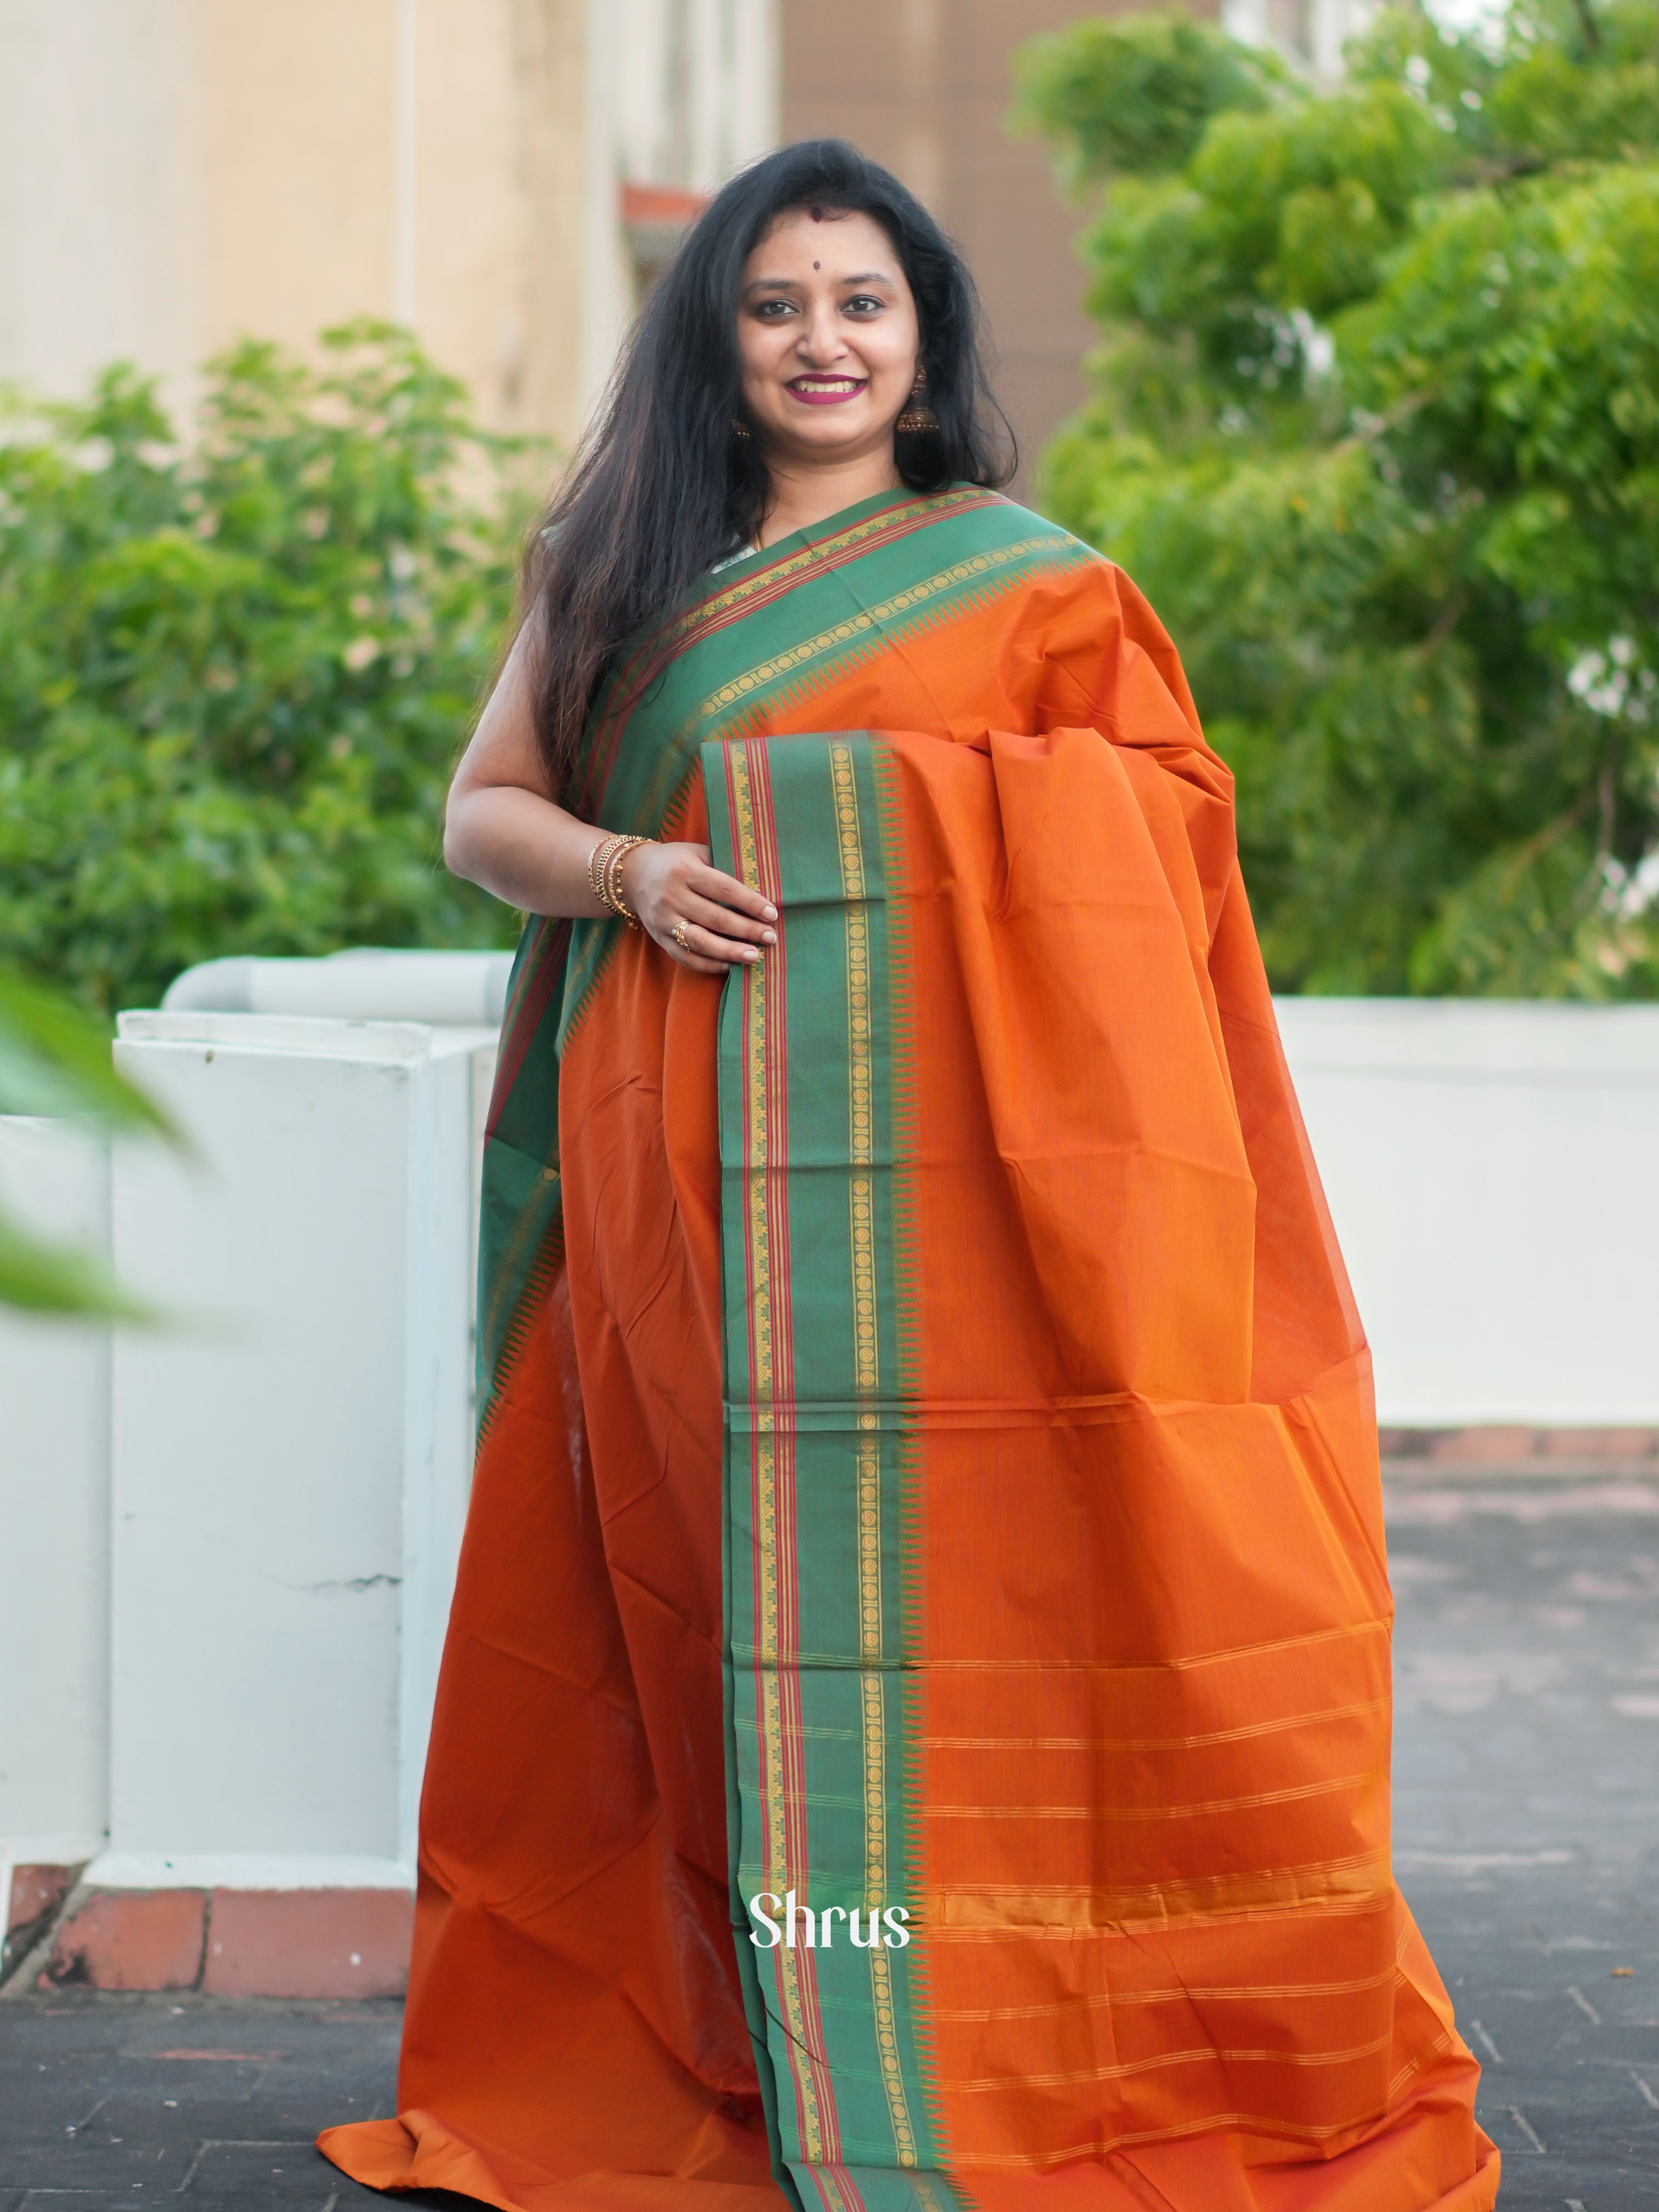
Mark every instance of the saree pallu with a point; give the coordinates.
(927, 1475)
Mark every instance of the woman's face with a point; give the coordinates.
(827, 337)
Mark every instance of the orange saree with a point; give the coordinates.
(914, 1725)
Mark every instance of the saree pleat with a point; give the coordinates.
(927, 1500)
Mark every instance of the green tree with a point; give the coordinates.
(234, 674)
(1375, 426)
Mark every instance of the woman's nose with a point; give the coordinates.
(820, 338)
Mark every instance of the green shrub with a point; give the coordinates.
(234, 674)
(1376, 428)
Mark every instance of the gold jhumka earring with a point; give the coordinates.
(918, 415)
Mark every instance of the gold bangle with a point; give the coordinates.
(618, 898)
(596, 860)
(609, 874)
(599, 869)
(593, 866)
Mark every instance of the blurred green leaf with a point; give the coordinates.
(55, 1060)
(41, 1277)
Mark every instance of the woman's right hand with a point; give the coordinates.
(723, 922)
(504, 828)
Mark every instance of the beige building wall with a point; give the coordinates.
(100, 199)
(424, 162)
(923, 86)
(501, 174)
(175, 173)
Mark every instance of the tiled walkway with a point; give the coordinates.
(136, 2101)
(1526, 1812)
(1527, 1837)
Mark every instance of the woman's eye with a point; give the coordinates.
(863, 304)
(774, 311)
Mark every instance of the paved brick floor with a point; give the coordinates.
(1526, 1812)
(134, 2100)
(1527, 1769)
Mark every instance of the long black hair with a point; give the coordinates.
(662, 486)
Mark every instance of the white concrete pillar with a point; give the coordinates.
(290, 1462)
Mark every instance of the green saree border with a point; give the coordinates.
(819, 1546)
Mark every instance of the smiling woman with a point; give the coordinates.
(830, 353)
(926, 1480)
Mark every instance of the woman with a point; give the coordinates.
(915, 1724)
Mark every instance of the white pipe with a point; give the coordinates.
(451, 989)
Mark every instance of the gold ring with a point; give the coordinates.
(678, 935)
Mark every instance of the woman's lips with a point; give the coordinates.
(826, 391)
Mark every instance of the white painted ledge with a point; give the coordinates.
(245, 1871)
(390, 1043)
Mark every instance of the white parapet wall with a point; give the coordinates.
(54, 1523)
(231, 1542)
(1492, 1168)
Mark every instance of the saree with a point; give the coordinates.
(914, 1731)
